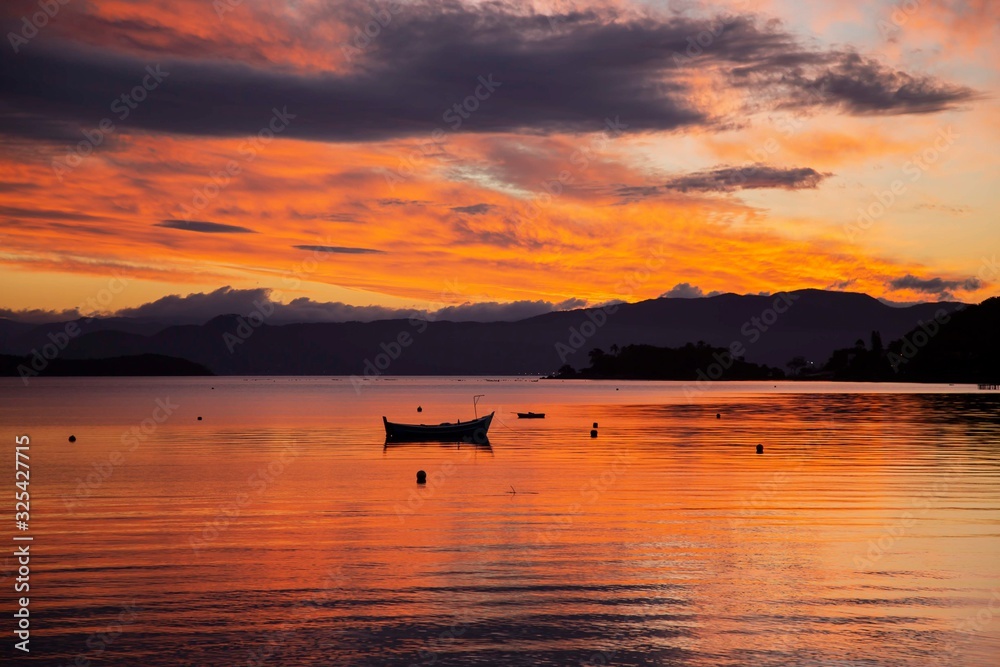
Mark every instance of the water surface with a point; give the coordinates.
(279, 530)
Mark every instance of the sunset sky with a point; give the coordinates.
(432, 154)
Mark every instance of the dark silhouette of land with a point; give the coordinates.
(140, 365)
(771, 330)
(959, 347)
(691, 362)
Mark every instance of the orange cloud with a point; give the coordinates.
(522, 215)
(501, 238)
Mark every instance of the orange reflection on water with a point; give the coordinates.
(280, 524)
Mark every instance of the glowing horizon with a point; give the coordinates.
(758, 147)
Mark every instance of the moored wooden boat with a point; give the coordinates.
(474, 430)
(531, 415)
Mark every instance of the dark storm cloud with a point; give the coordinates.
(532, 72)
(204, 227)
(339, 249)
(863, 86)
(938, 286)
(753, 177)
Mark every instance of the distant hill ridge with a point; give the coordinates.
(140, 365)
(769, 330)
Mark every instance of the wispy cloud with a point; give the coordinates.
(939, 287)
(339, 249)
(474, 209)
(751, 177)
(204, 227)
(46, 214)
(687, 291)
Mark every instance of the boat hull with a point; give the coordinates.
(531, 415)
(474, 431)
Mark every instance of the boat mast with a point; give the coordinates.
(475, 404)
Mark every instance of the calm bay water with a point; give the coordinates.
(278, 530)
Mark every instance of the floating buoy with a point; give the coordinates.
(718, 416)
(72, 438)
(421, 477)
(419, 409)
(595, 425)
(760, 449)
(199, 418)
(593, 433)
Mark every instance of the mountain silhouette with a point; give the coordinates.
(768, 330)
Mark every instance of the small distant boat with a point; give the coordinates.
(474, 430)
(531, 415)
